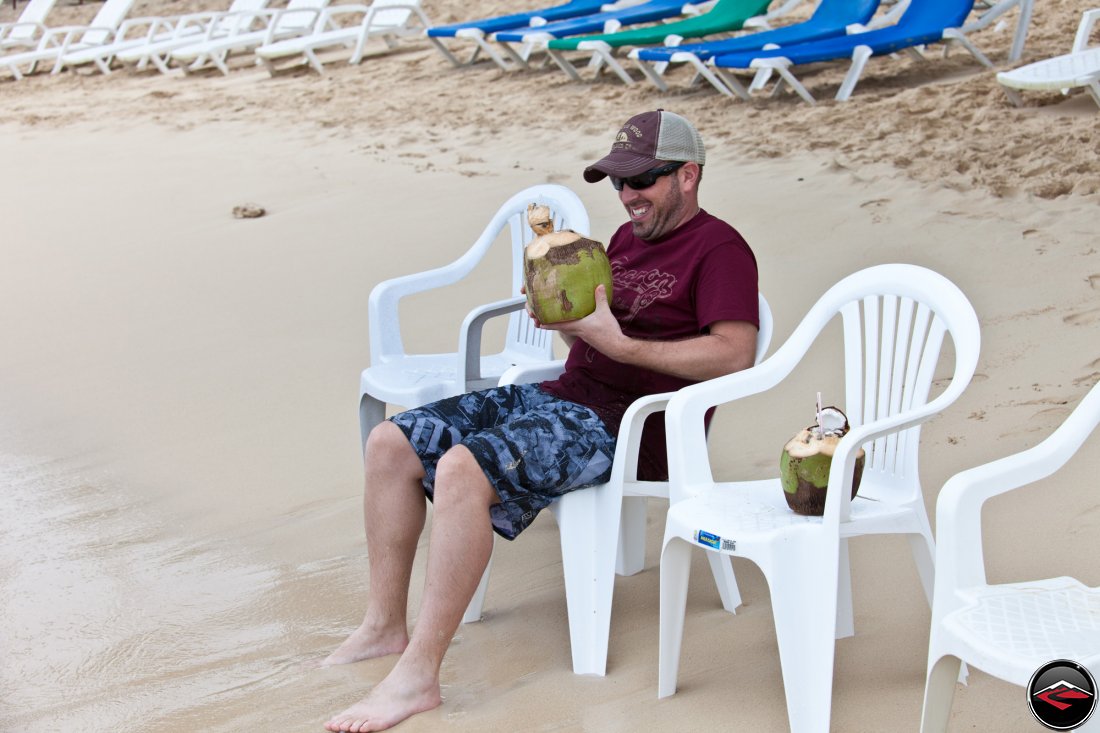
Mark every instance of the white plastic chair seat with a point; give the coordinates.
(754, 511)
(1014, 628)
(418, 379)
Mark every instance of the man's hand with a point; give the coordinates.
(600, 329)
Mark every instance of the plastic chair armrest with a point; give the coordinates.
(469, 337)
(1088, 19)
(384, 298)
(958, 507)
(528, 373)
(624, 468)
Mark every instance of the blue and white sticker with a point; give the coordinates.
(708, 539)
(714, 541)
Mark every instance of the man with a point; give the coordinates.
(684, 309)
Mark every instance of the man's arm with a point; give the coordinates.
(729, 347)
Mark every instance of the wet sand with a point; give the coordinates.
(180, 528)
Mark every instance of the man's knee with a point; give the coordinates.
(459, 477)
(387, 445)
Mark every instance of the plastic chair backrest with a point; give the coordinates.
(892, 345)
(523, 337)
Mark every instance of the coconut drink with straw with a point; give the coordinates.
(561, 270)
(807, 458)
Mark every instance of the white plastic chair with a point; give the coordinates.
(1078, 68)
(1007, 630)
(603, 527)
(384, 19)
(412, 380)
(895, 318)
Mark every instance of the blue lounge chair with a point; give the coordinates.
(923, 22)
(609, 21)
(478, 30)
(830, 18)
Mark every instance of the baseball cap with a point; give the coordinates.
(645, 140)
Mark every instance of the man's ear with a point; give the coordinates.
(689, 175)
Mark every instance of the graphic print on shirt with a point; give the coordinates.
(646, 286)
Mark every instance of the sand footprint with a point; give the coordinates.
(1083, 318)
(875, 206)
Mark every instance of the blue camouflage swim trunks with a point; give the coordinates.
(533, 447)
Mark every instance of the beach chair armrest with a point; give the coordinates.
(990, 15)
(7, 28)
(529, 373)
(469, 337)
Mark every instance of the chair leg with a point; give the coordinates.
(804, 609)
(675, 569)
(477, 603)
(588, 551)
(371, 412)
(924, 555)
(721, 567)
(859, 60)
(845, 618)
(631, 555)
(939, 690)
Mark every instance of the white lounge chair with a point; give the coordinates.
(1008, 630)
(26, 32)
(385, 19)
(1078, 68)
(168, 32)
(57, 42)
(243, 16)
(298, 18)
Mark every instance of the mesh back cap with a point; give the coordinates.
(645, 141)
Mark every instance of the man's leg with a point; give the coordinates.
(461, 542)
(393, 517)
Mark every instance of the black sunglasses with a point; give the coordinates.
(645, 180)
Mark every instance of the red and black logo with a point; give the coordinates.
(1062, 695)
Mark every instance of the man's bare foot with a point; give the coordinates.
(392, 701)
(367, 643)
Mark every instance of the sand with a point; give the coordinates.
(179, 527)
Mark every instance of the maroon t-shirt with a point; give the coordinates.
(666, 289)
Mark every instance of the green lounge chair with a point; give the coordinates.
(725, 16)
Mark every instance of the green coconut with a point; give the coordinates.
(561, 270)
(806, 460)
